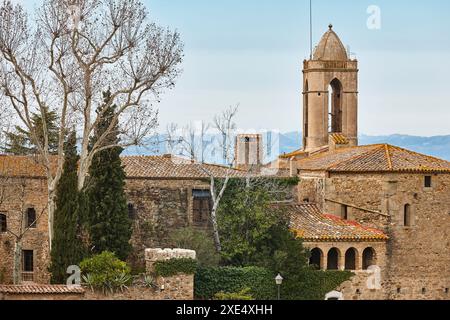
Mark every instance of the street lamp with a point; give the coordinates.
(279, 280)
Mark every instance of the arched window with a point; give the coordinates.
(368, 258)
(335, 106)
(31, 218)
(316, 258)
(350, 259)
(333, 259)
(407, 218)
(3, 223)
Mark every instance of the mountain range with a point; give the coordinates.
(437, 146)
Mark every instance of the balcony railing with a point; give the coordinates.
(27, 276)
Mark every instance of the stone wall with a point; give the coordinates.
(161, 206)
(21, 194)
(178, 287)
(357, 288)
(417, 256)
(148, 294)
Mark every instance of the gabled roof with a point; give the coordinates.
(310, 224)
(160, 167)
(374, 158)
(40, 289)
(146, 167)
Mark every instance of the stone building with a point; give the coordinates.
(400, 197)
(164, 192)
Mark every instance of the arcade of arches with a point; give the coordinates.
(346, 256)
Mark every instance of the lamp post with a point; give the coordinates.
(279, 282)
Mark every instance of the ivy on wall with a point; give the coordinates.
(173, 267)
(260, 282)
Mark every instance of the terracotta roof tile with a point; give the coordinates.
(40, 289)
(311, 224)
(339, 139)
(151, 167)
(373, 158)
(158, 167)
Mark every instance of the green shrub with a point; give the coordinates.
(243, 295)
(210, 281)
(174, 267)
(106, 272)
(198, 240)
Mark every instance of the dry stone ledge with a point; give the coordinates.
(154, 255)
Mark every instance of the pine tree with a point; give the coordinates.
(21, 141)
(109, 224)
(67, 246)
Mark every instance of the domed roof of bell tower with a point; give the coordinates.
(330, 48)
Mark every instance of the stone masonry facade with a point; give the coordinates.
(160, 206)
(415, 263)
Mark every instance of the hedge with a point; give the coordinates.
(210, 281)
(307, 285)
(174, 267)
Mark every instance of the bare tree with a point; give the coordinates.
(190, 141)
(71, 53)
(185, 142)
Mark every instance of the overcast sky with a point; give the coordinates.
(251, 51)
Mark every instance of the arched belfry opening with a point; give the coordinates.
(335, 106)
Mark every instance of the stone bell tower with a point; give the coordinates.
(330, 94)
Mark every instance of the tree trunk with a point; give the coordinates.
(17, 278)
(216, 229)
(82, 170)
(216, 201)
(51, 207)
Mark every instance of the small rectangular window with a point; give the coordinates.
(428, 182)
(27, 265)
(131, 211)
(31, 218)
(344, 212)
(3, 223)
(201, 206)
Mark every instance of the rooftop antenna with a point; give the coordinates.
(310, 30)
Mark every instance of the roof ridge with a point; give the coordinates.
(418, 153)
(388, 157)
(326, 42)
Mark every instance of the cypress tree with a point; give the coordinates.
(67, 246)
(109, 224)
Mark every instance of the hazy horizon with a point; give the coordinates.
(251, 52)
